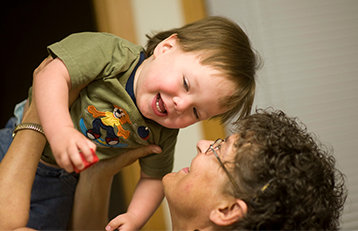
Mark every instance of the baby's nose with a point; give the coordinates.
(182, 104)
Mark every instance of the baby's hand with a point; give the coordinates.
(66, 147)
(86, 163)
(126, 221)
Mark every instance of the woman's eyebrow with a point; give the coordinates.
(228, 142)
(223, 148)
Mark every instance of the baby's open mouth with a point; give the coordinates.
(159, 104)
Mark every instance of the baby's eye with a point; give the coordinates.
(196, 114)
(185, 84)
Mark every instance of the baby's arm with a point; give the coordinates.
(52, 91)
(90, 209)
(146, 199)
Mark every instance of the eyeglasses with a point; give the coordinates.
(216, 146)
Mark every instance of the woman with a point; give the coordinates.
(270, 174)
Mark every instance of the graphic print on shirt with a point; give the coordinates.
(108, 123)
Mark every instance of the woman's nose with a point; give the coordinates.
(203, 145)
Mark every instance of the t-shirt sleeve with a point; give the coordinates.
(157, 165)
(92, 55)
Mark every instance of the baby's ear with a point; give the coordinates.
(228, 213)
(166, 45)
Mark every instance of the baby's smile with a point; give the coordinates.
(159, 105)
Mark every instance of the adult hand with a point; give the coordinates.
(110, 167)
(42, 65)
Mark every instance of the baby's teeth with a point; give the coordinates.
(157, 105)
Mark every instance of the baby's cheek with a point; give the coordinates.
(187, 121)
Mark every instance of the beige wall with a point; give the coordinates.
(310, 51)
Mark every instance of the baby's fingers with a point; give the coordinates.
(64, 162)
(114, 224)
(87, 154)
(75, 157)
(88, 149)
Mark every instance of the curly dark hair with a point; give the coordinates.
(286, 177)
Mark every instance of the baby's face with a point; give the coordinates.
(174, 89)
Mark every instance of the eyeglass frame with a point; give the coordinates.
(217, 145)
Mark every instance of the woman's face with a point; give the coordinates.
(197, 189)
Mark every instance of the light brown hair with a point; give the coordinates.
(225, 47)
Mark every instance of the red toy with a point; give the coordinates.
(86, 163)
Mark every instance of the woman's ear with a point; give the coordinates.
(229, 213)
(166, 45)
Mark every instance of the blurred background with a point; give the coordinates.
(309, 49)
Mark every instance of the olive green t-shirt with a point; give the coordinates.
(104, 111)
